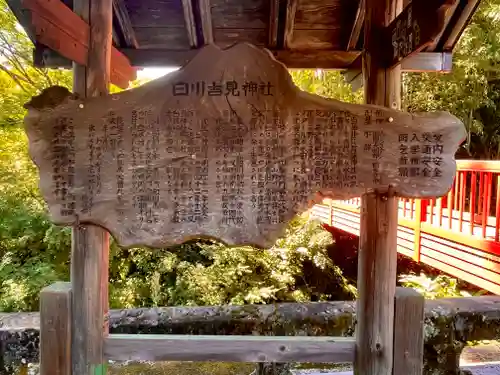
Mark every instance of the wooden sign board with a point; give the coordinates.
(418, 25)
(228, 148)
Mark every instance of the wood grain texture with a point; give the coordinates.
(319, 14)
(377, 258)
(140, 128)
(240, 14)
(230, 348)
(408, 332)
(90, 244)
(173, 38)
(205, 15)
(57, 27)
(158, 13)
(376, 285)
(291, 10)
(124, 25)
(273, 23)
(317, 39)
(225, 38)
(357, 26)
(460, 22)
(189, 20)
(55, 329)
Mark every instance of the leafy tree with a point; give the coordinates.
(471, 91)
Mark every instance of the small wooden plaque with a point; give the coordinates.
(228, 148)
(418, 25)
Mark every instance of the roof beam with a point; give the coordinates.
(274, 11)
(124, 24)
(205, 15)
(198, 20)
(359, 20)
(187, 7)
(60, 29)
(461, 19)
(327, 59)
(291, 10)
(438, 62)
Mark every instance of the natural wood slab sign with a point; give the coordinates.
(228, 148)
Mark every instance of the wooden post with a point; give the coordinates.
(379, 214)
(408, 332)
(55, 329)
(90, 245)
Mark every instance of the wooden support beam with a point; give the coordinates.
(420, 62)
(294, 59)
(291, 10)
(408, 332)
(273, 24)
(90, 244)
(198, 20)
(59, 28)
(230, 348)
(55, 329)
(417, 27)
(189, 20)
(124, 25)
(460, 21)
(379, 214)
(356, 28)
(449, 12)
(205, 15)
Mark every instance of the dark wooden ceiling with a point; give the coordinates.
(166, 32)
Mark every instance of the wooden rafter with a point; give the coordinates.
(189, 20)
(206, 21)
(460, 21)
(273, 24)
(291, 10)
(125, 28)
(198, 17)
(357, 26)
(60, 29)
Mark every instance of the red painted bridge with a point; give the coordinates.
(457, 233)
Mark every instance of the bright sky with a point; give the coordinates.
(153, 73)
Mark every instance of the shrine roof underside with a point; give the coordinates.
(325, 34)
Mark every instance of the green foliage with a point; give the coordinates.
(472, 90)
(441, 286)
(207, 273)
(329, 84)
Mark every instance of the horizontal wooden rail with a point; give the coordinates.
(230, 348)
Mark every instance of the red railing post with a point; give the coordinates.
(419, 218)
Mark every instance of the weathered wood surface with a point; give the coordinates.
(408, 332)
(377, 258)
(418, 26)
(229, 348)
(55, 329)
(90, 243)
(156, 167)
(58, 27)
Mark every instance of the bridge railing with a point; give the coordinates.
(471, 207)
(457, 233)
